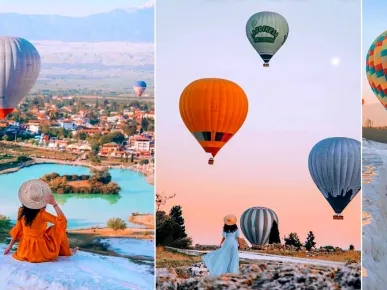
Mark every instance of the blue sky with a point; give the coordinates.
(66, 7)
(374, 23)
(301, 99)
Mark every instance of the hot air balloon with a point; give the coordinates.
(256, 224)
(376, 68)
(213, 111)
(267, 32)
(139, 88)
(335, 167)
(19, 70)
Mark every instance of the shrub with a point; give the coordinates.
(293, 240)
(5, 223)
(310, 243)
(116, 224)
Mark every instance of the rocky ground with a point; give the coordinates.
(262, 275)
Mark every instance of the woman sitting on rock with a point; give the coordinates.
(226, 259)
(37, 243)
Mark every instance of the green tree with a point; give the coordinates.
(293, 240)
(176, 214)
(167, 230)
(144, 124)
(5, 137)
(116, 224)
(116, 137)
(130, 130)
(310, 243)
(351, 247)
(5, 223)
(274, 237)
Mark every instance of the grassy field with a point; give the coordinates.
(166, 259)
(37, 152)
(80, 184)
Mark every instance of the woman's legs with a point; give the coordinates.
(64, 249)
(58, 234)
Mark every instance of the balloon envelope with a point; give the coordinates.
(139, 87)
(335, 167)
(19, 70)
(376, 68)
(256, 224)
(213, 111)
(267, 32)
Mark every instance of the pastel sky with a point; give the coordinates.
(75, 8)
(374, 24)
(301, 99)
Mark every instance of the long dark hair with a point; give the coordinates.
(28, 214)
(230, 229)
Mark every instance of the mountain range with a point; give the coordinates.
(129, 25)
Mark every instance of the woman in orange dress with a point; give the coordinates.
(37, 243)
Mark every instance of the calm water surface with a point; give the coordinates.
(83, 210)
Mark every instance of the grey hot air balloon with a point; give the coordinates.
(256, 224)
(19, 70)
(335, 167)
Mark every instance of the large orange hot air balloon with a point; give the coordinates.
(213, 111)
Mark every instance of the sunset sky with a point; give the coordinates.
(374, 24)
(73, 8)
(301, 99)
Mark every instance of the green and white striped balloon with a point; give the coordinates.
(267, 32)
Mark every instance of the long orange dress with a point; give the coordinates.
(37, 243)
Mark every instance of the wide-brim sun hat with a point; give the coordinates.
(32, 194)
(230, 219)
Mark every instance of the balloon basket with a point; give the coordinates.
(265, 65)
(211, 161)
(338, 217)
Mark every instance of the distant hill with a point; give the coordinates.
(131, 25)
(375, 112)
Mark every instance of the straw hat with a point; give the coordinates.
(32, 194)
(230, 219)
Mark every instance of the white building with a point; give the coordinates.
(113, 119)
(68, 125)
(34, 128)
(142, 144)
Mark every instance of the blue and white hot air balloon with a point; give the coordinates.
(139, 87)
(256, 224)
(335, 167)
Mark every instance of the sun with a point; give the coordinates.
(335, 61)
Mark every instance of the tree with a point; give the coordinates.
(293, 240)
(5, 137)
(116, 137)
(130, 130)
(310, 243)
(167, 232)
(5, 223)
(176, 214)
(351, 247)
(161, 200)
(144, 124)
(274, 237)
(116, 224)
